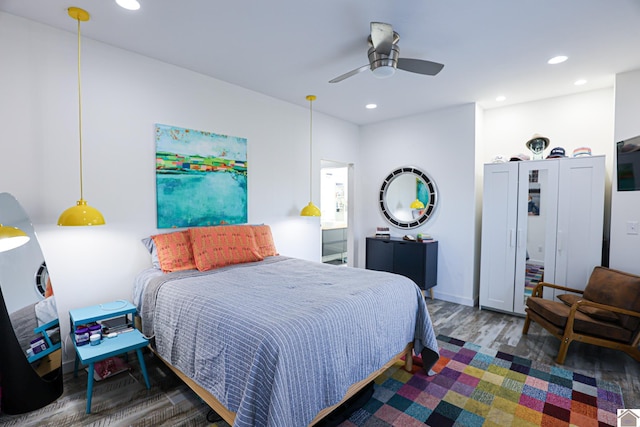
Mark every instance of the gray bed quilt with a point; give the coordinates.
(279, 340)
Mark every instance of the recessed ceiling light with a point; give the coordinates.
(501, 98)
(580, 82)
(557, 59)
(371, 106)
(129, 4)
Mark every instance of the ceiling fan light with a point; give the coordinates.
(128, 4)
(557, 59)
(384, 71)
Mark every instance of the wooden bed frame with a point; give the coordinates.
(230, 416)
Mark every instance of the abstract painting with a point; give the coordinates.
(422, 192)
(201, 178)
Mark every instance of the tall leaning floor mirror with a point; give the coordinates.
(31, 354)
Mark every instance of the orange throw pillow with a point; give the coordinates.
(48, 291)
(222, 245)
(174, 251)
(264, 240)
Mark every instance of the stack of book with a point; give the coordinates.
(383, 232)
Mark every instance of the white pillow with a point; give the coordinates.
(151, 247)
(46, 311)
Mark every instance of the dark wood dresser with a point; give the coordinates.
(416, 260)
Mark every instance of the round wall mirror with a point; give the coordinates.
(42, 280)
(407, 197)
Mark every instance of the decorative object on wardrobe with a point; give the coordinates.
(537, 144)
(560, 241)
(81, 214)
(11, 238)
(400, 191)
(310, 209)
(520, 157)
(556, 153)
(581, 151)
(31, 354)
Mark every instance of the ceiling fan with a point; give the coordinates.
(384, 56)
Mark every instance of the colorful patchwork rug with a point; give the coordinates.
(477, 386)
(533, 275)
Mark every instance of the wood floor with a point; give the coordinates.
(124, 401)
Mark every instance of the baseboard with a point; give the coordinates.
(471, 302)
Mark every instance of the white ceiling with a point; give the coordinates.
(290, 48)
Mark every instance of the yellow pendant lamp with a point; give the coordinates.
(11, 238)
(81, 214)
(416, 204)
(310, 209)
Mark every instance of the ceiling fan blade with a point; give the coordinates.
(419, 66)
(382, 37)
(350, 73)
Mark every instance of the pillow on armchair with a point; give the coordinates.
(595, 312)
(618, 289)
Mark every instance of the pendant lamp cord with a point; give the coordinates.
(310, 147)
(80, 112)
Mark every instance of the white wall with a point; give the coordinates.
(124, 95)
(442, 144)
(582, 120)
(625, 205)
(571, 121)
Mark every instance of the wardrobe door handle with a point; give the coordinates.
(520, 240)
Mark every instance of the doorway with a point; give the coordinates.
(334, 207)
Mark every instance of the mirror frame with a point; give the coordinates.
(41, 278)
(428, 209)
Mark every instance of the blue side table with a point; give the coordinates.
(121, 344)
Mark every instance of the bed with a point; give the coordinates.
(279, 342)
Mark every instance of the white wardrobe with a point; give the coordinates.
(541, 220)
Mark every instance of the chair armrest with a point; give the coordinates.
(607, 307)
(537, 291)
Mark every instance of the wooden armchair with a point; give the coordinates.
(606, 313)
